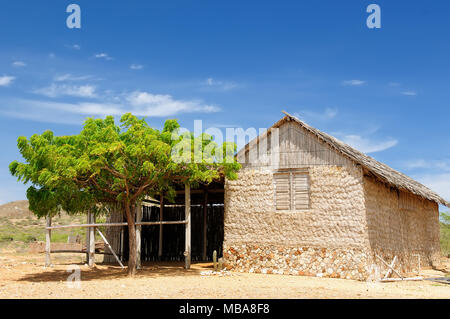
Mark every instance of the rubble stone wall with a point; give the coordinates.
(329, 239)
(351, 219)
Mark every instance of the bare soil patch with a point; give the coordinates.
(24, 276)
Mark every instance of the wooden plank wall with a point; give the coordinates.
(298, 148)
(173, 235)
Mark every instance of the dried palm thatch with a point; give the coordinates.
(380, 170)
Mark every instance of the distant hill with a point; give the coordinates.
(19, 225)
(15, 209)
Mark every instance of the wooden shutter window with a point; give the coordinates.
(282, 191)
(300, 191)
(291, 190)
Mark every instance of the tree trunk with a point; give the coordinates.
(130, 215)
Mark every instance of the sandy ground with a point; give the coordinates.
(24, 276)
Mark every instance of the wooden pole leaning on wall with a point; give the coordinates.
(161, 217)
(138, 235)
(205, 224)
(187, 217)
(91, 231)
(48, 238)
(110, 248)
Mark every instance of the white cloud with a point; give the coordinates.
(353, 82)
(54, 90)
(441, 165)
(221, 85)
(417, 163)
(76, 47)
(6, 80)
(435, 174)
(440, 183)
(409, 93)
(70, 77)
(327, 114)
(138, 103)
(366, 145)
(19, 64)
(103, 56)
(148, 104)
(136, 66)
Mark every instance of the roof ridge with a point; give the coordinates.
(380, 169)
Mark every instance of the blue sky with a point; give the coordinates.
(234, 63)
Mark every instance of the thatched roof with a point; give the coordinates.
(380, 170)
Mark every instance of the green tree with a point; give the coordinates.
(107, 163)
(445, 218)
(445, 232)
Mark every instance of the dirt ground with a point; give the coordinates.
(24, 276)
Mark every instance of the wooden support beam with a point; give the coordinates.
(161, 217)
(402, 279)
(172, 222)
(110, 248)
(201, 191)
(91, 261)
(89, 225)
(388, 273)
(418, 269)
(389, 266)
(88, 233)
(94, 225)
(205, 224)
(122, 239)
(138, 235)
(48, 238)
(71, 251)
(187, 217)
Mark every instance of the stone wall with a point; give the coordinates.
(401, 224)
(329, 239)
(351, 263)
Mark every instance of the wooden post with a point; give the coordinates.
(138, 235)
(419, 264)
(91, 240)
(48, 238)
(205, 212)
(390, 268)
(88, 240)
(187, 217)
(161, 214)
(122, 239)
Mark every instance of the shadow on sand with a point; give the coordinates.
(108, 271)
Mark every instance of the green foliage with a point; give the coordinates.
(107, 163)
(445, 233)
(445, 217)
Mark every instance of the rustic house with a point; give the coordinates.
(317, 206)
(304, 203)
